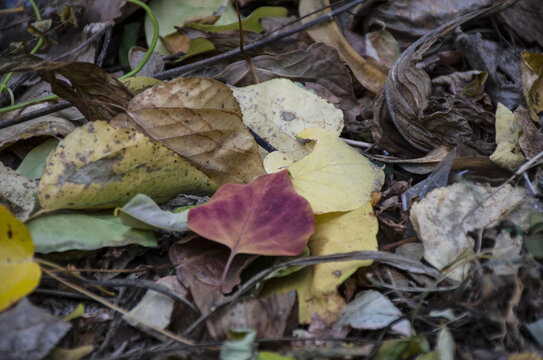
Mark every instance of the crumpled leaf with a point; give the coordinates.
(96, 93)
(44, 125)
(405, 120)
(334, 177)
(371, 310)
(141, 212)
(81, 231)
(442, 223)
(19, 275)
(98, 166)
(278, 109)
(200, 120)
(317, 285)
(330, 34)
(17, 192)
(29, 332)
(265, 217)
(508, 131)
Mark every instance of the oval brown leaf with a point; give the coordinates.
(216, 142)
(266, 217)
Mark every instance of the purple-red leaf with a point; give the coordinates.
(265, 217)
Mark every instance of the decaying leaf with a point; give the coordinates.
(330, 34)
(531, 140)
(45, 125)
(17, 192)
(407, 119)
(19, 274)
(96, 93)
(278, 109)
(531, 67)
(334, 177)
(446, 215)
(266, 217)
(508, 131)
(98, 166)
(200, 120)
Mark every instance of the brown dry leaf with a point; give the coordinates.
(524, 18)
(200, 272)
(531, 68)
(216, 142)
(531, 140)
(46, 125)
(192, 92)
(330, 34)
(96, 93)
(406, 119)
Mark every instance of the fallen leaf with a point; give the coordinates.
(442, 223)
(508, 131)
(371, 310)
(330, 34)
(215, 141)
(317, 285)
(98, 166)
(141, 212)
(44, 125)
(531, 140)
(382, 46)
(137, 84)
(191, 92)
(96, 93)
(335, 176)
(276, 161)
(531, 69)
(239, 346)
(29, 332)
(33, 164)
(17, 192)
(278, 109)
(265, 217)
(19, 274)
(81, 231)
(318, 67)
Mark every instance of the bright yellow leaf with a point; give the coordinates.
(19, 275)
(335, 176)
(317, 285)
(99, 166)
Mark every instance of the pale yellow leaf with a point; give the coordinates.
(508, 131)
(99, 166)
(279, 109)
(335, 176)
(276, 161)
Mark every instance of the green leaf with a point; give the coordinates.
(34, 162)
(266, 355)
(143, 213)
(80, 231)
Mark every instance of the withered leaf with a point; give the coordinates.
(97, 94)
(405, 107)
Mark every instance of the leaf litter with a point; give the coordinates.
(363, 188)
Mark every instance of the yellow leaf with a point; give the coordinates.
(276, 161)
(99, 166)
(531, 70)
(19, 275)
(279, 109)
(137, 84)
(335, 176)
(317, 285)
(339, 233)
(508, 153)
